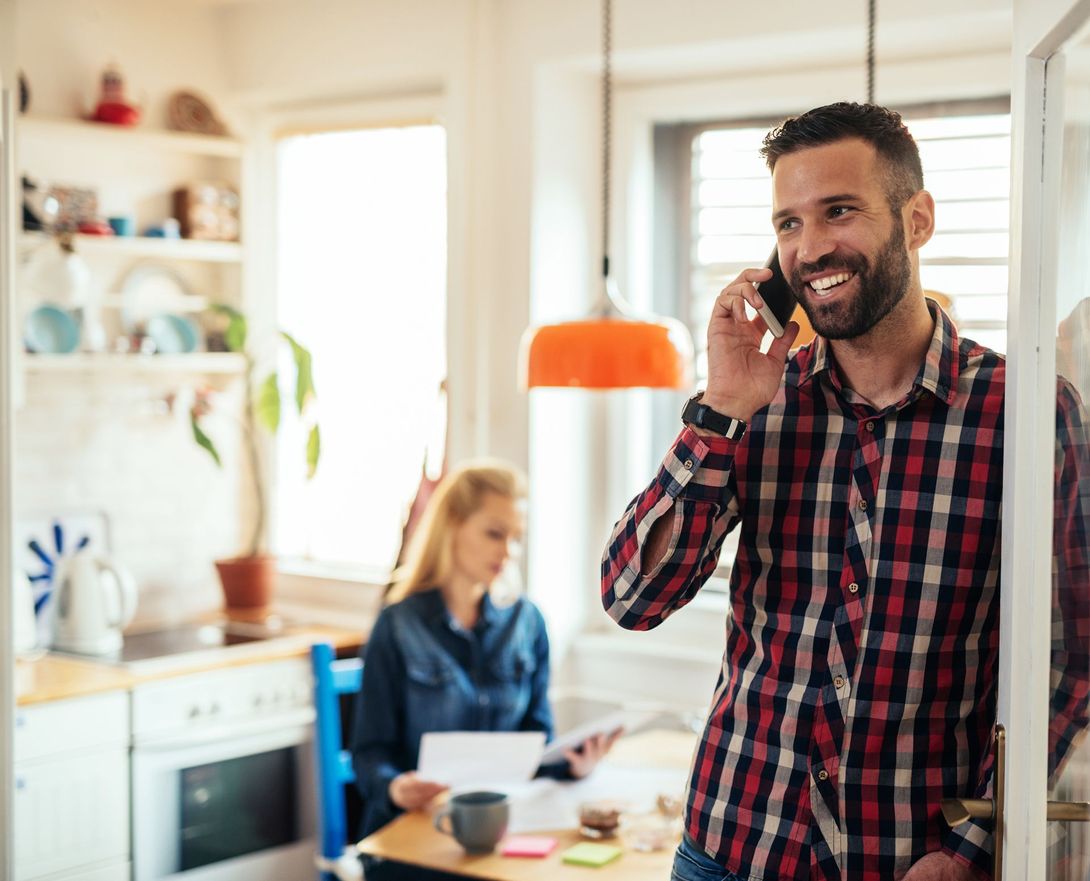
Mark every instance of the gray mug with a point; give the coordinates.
(478, 820)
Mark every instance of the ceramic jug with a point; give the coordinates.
(94, 599)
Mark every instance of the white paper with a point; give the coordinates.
(471, 759)
(630, 720)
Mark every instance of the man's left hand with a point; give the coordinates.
(938, 866)
(583, 760)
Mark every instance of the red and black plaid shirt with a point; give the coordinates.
(858, 685)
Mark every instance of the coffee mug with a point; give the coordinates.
(477, 820)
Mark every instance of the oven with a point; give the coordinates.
(223, 775)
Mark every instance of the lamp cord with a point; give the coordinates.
(871, 14)
(607, 90)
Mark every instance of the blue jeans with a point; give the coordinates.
(692, 864)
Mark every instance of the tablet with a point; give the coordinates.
(630, 720)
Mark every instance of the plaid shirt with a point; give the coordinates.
(858, 685)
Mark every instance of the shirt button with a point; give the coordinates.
(823, 775)
(839, 682)
(688, 464)
(870, 426)
(862, 504)
(853, 588)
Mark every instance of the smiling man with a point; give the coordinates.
(864, 472)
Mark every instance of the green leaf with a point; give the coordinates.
(204, 440)
(235, 335)
(304, 376)
(314, 450)
(268, 403)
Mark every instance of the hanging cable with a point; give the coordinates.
(871, 13)
(607, 89)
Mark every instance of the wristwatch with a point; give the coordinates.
(703, 416)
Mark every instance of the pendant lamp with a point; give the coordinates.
(613, 347)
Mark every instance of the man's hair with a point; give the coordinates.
(878, 126)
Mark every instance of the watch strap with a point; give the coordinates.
(703, 416)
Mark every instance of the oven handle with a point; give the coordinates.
(227, 731)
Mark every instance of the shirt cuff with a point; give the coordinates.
(698, 467)
(970, 843)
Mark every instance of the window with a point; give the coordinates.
(965, 150)
(719, 223)
(361, 264)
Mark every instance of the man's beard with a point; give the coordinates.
(881, 287)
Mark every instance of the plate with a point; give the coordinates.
(149, 290)
(173, 334)
(50, 331)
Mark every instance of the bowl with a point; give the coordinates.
(173, 334)
(49, 330)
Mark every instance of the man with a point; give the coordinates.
(858, 685)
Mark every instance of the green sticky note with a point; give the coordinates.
(587, 853)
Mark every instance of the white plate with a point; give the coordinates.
(148, 290)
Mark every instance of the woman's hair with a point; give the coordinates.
(458, 497)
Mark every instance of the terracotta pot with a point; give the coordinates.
(248, 582)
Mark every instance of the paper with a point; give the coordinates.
(527, 846)
(587, 853)
(630, 720)
(471, 759)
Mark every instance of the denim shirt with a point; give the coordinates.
(423, 671)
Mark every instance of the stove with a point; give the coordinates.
(196, 644)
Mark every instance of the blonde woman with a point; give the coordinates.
(443, 656)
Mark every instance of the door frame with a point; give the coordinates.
(1041, 27)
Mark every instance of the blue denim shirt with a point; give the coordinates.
(423, 671)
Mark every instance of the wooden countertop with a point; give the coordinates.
(53, 676)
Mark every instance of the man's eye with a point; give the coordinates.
(787, 224)
(839, 210)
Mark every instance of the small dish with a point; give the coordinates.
(149, 290)
(49, 330)
(173, 334)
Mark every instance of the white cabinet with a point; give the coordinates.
(72, 789)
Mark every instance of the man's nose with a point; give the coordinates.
(814, 243)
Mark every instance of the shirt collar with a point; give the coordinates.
(938, 374)
(437, 609)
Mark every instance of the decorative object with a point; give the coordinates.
(613, 348)
(188, 112)
(24, 93)
(122, 225)
(56, 274)
(112, 107)
(50, 330)
(40, 207)
(208, 210)
(150, 289)
(75, 205)
(248, 579)
(173, 334)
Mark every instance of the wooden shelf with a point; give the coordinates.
(130, 137)
(147, 246)
(226, 363)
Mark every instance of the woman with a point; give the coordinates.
(445, 657)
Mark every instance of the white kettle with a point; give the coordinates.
(94, 598)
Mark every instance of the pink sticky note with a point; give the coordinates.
(527, 846)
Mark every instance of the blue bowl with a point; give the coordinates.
(50, 331)
(173, 334)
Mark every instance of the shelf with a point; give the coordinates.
(198, 362)
(146, 246)
(131, 137)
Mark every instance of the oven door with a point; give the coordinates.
(234, 802)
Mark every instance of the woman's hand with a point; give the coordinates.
(590, 753)
(410, 792)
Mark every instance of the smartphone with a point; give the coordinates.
(779, 299)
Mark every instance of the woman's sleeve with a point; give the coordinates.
(378, 730)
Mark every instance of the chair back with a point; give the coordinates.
(332, 678)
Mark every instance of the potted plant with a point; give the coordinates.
(249, 578)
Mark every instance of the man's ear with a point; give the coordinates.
(919, 217)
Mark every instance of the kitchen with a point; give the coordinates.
(514, 85)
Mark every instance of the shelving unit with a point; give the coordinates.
(220, 363)
(116, 136)
(146, 247)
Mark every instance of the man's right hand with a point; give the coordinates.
(742, 379)
(410, 792)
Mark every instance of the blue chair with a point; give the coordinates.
(332, 678)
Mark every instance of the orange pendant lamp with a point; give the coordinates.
(613, 347)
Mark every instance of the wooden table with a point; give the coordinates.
(412, 839)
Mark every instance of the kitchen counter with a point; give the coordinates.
(55, 677)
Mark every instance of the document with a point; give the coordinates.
(630, 720)
(474, 759)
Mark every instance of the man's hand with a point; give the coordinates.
(590, 753)
(742, 379)
(410, 792)
(938, 866)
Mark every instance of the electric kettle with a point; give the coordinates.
(94, 598)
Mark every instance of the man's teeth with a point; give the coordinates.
(829, 281)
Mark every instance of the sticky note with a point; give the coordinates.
(527, 846)
(587, 853)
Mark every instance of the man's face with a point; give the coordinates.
(841, 247)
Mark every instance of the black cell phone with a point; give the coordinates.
(779, 299)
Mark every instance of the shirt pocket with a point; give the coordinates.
(434, 701)
(512, 678)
